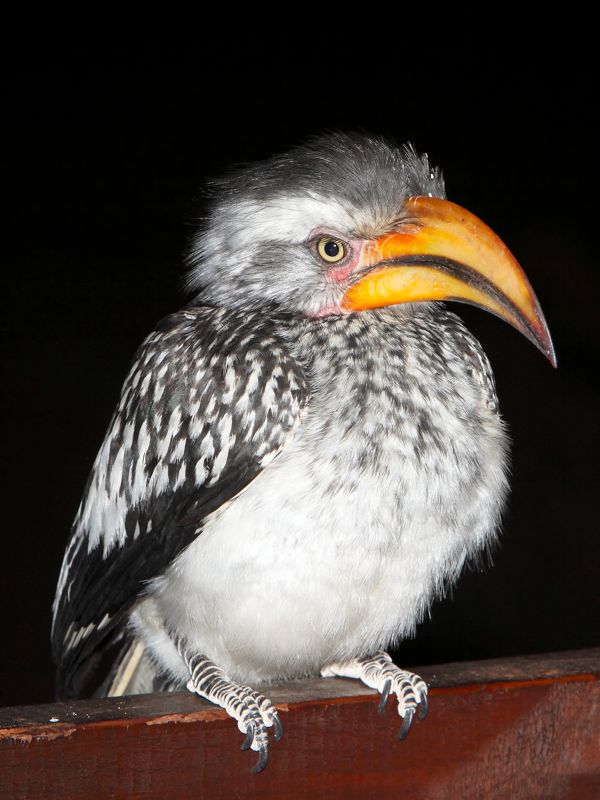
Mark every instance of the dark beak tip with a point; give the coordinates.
(539, 334)
(549, 351)
(547, 348)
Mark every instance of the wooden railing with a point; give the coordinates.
(526, 727)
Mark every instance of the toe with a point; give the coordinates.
(263, 759)
(247, 743)
(423, 706)
(278, 729)
(406, 723)
(385, 693)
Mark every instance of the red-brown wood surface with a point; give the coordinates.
(510, 728)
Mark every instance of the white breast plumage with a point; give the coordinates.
(371, 508)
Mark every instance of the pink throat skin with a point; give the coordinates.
(331, 310)
(337, 276)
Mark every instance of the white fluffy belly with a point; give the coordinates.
(288, 578)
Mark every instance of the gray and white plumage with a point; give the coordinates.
(284, 485)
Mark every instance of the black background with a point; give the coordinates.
(106, 151)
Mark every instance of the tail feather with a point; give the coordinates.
(135, 673)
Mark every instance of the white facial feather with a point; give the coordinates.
(225, 255)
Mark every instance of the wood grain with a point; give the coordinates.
(526, 727)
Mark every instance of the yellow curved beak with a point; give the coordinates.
(447, 253)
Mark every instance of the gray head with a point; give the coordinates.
(270, 236)
(350, 223)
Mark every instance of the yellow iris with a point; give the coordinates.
(331, 249)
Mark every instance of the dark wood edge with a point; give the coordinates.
(51, 718)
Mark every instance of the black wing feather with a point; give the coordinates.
(206, 381)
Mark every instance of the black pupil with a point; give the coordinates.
(332, 248)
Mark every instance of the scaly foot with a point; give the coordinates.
(379, 672)
(253, 712)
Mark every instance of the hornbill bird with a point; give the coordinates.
(305, 455)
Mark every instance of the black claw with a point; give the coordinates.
(385, 693)
(424, 707)
(406, 723)
(247, 743)
(263, 758)
(277, 727)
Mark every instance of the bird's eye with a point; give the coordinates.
(330, 249)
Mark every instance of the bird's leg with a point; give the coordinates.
(379, 672)
(254, 712)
